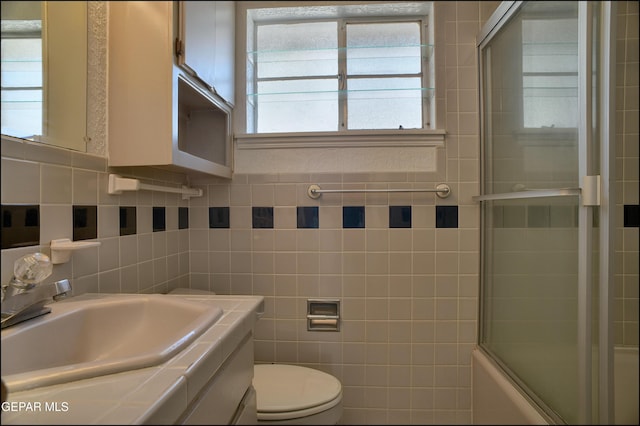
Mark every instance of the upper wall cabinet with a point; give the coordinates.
(206, 44)
(159, 114)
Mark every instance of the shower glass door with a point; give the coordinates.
(539, 141)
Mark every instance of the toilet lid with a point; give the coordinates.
(285, 388)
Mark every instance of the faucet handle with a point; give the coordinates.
(32, 268)
(62, 287)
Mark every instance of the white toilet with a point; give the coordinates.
(291, 394)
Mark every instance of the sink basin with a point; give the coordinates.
(95, 335)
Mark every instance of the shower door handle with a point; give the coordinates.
(590, 192)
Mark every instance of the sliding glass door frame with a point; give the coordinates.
(596, 170)
(607, 89)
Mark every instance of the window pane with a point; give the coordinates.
(22, 62)
(297, 50)
(298, 63)
(297, 106)
(312, 76)
(556, 57)
(392, 48)
(385, 103)
(22, 68)
(22, 113)
(550, 101)
(550, 72)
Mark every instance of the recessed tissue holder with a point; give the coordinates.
(323, 315)
(62, 248)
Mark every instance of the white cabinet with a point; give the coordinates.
(159, 115)
(206, 44)
(228, 397)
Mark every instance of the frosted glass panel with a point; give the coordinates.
(398, 105)
(297, 63)
(22, 62)
(530, 100)
(530, 295)
(298, 106)
(383, 48)
(550, 73)
(297, 50)
(545, 109)
(22, 69)
(22, 113)
(530, 137)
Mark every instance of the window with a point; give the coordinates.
(550, 72)
(340, 70)
(550, 61)
(21, 78)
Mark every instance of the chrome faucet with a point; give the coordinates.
(21, 305)
(25, 297)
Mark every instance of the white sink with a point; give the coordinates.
(94, 335)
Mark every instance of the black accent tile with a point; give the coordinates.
(85, 222)
(308, 217)
(183, 217)
(353, 217)
(446, 216)
(128, 225)
(218, 217)
(20, 226)
(538, 217)
(262, 217)
(497, 214)
(159, 219)
(514, 216)
(399, 216)
(631, 215)
(32, 217)
(563, 216)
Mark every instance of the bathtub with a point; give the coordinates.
(497, 401)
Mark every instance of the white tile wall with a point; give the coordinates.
(627, 163)
(409, 296)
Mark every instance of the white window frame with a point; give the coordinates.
(428, 136)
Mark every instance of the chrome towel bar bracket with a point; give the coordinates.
(442, 190)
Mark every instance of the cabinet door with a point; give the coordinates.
(198, 35)
(207, 31)
(225, 49)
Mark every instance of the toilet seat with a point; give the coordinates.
(290, 391)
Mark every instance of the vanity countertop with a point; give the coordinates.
(153, 395)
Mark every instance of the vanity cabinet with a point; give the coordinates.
(206, 44)
(228, 397)
(160, 114)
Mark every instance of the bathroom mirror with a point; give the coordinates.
(44, 72)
